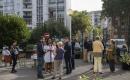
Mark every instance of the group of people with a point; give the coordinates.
(50, 56)
(10, 55)
(95, 50)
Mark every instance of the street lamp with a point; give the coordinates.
(70, 12)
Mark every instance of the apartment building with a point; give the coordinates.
(95, 18)
(10, 7)
(29, 12)
(36, 12)
(58, 11)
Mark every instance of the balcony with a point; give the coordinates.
(26, 16)
(27, 1)
(27, 7)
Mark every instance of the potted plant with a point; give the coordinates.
(125, 59)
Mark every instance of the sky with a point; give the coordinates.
(89, 5)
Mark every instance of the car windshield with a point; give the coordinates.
(119, 42)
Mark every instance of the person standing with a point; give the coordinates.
(58, 62)
(14, 53)
(90, 51)
(73, 54)
(111, 56)
(97, 51)
(86, 47)
(49, 56)
(68, 55)
(6, 54)
(40, 57)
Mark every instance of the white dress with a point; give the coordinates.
(49, 55)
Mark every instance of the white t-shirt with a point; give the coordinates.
(49, 55)
(5, 52)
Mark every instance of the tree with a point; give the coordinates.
(119, 11)
(55, 29)
(80, 22)
(98, 31)
(116, 7)
(12, 28)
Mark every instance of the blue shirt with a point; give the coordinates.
(59, 54)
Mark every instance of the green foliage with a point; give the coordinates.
(55, 29)
(80, 22)
(85, 77)
(98, 31)
(116, 7)
(30, 47)
(12, 28)
(125, 58)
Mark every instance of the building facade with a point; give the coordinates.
(95, 18)
(29, 12)
(11, 7)
(104, 23)
(36, 12)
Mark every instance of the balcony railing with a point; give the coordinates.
(25, 16)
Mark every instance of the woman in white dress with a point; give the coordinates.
(49, 56)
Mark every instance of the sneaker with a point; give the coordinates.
(14, 71)
(100, 73)
(60, 78)
(53, 77)
(40, 77)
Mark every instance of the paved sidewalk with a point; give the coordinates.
(30, 74)
(81, 68)
(107, 75)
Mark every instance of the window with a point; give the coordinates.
(27, 13)
(28, 6)
(60, 1)
(52, 1)
(28, 21)
(1, 6)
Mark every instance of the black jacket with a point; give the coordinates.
(67, 49)
(40, 49)
(88, 45)
(73, 47)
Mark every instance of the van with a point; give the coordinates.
(119, 42)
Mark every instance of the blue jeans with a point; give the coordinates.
(40, 65)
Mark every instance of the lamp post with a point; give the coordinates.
(70, 12)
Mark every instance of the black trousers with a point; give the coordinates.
(73, 61)
(14, 58)
(112, 65)
(68, 64)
